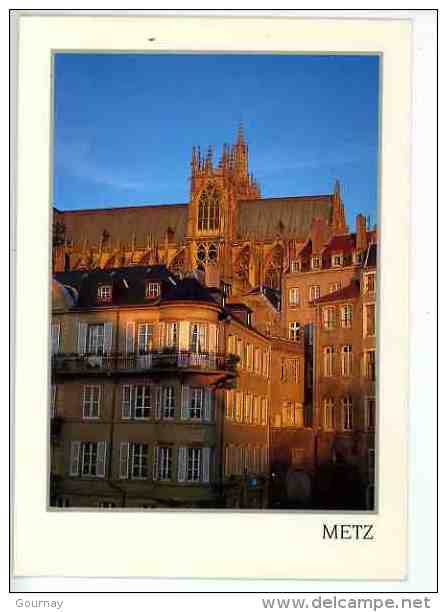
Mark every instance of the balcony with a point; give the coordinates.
(154, 362)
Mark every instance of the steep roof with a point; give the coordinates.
(340, 244)
(345, 293)
(122, 223)
(268, 217)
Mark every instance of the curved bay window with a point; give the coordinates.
(209, 210)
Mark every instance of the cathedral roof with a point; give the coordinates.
(267, 217)
(122, 223)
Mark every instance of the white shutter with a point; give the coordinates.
(75, 452)
(206, 464)
(124, 459)
(108, 333)
(126, 405)
(130, 336)
(181, 464)
(156, 390)
(82, 338)
(55, 337)
(212, 342)
(155, 463)
(185, 402)
(161, 329)
(101, 459)
(208, 411)
(184, 336)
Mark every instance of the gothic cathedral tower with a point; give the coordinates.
(215, 192)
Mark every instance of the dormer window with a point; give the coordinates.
(337, 260)
(316, 262)
(152, 291)
(104, 294)
(295, 266)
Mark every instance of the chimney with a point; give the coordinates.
(360, 237)
(320, 234)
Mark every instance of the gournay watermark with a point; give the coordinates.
(39, 603)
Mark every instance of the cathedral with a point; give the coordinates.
(227, 229)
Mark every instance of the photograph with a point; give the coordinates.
(213, 258)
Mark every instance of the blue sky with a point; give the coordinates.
(125, 125)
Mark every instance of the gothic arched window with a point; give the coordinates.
(208, 219)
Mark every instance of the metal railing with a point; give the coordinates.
(122, 362)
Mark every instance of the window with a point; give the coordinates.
(299, 415)
(329, 361)
(196, 405)
(265, 364)
(55, 338)
(329, 317)
(152, 290)
(294, 296)
(256, 410)
(238, 406)
(295, 266)
(229, 405)
(208, 218)
(370, 365)
(240, 352)
(137, 401)
(133, 460)
(197, 340)
(194, 457)
(335, 287)
(163, 463)
(358, 257)
(346, 360)
(258, 361)
(329, 413)
(249, 357)
(294, 331)
(337, 260)
(90, 401)
(347, 413)
(370, 407)
(248, 407)
(316, 262)
(369, 320)
(168, 402)
(369, 282)
(297, 456)
(95, 339)
(172, 335)
(314, 292)
(145, 338)
(346, 316)
(231, 345)
(88, 459)
(104, 294)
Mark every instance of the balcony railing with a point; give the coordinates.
(131, 362)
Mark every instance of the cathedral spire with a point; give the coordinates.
(240, 134)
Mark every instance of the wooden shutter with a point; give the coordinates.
(126, 404)
(101, 459)
(212, 342)
(181, 464)
(184, 336)
(185, 402)
(55, 337)
(206, 464)
(130, 336)
(161, 335)
(108, 334)
(124, 459)
(208, 408)
(82, 338)
(75, 453)
(155, 463)
(156, 397)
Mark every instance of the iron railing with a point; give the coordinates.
(153, 361)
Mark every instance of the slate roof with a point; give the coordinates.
(265, 218)
(371, 256)
(122, 222)
(345, 293)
